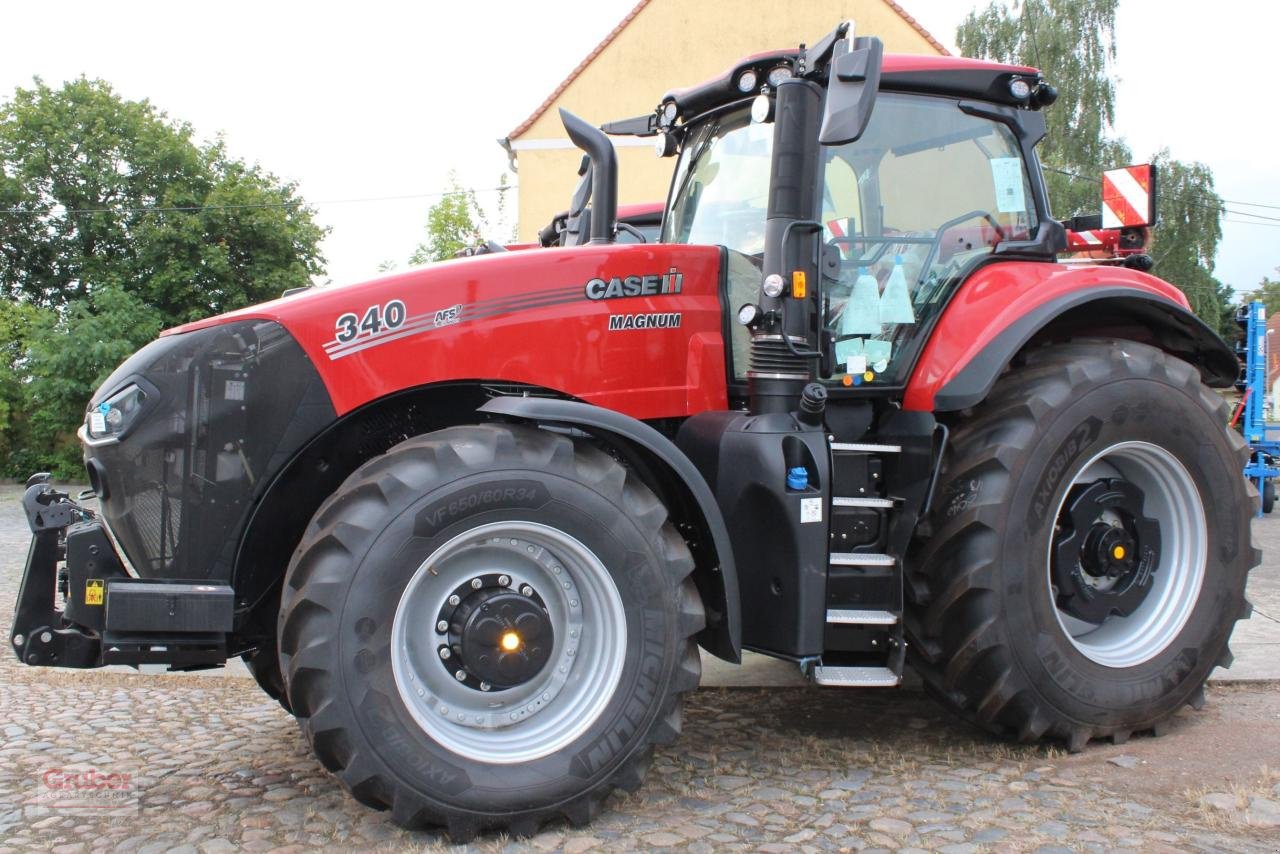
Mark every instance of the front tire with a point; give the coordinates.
(413, 577)
(1091, 542)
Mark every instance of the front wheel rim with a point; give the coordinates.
(1171, 498)
(556, 705)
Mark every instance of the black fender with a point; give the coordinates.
(1107, 312)
(689, 500)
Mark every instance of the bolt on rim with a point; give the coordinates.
(556, 704)
(1171, 499)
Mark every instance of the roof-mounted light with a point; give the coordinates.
(1019, 88)
(777, 75)
(761, 109)
(669, 112)
(747, 81)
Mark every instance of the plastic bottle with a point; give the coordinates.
(895, 303)
(862, 312)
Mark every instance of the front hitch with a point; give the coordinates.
(42, 633)
(107, 616)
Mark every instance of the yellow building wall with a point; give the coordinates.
(668, 45)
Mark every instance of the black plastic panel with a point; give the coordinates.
(781, 559)
(228, 407)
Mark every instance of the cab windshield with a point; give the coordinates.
(909, 209)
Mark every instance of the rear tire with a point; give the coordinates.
(368, 610)
(992, 624)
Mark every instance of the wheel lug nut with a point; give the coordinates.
(445, 653)
(485, 686)
(454, 600)
(475, 583)
(526, 590)
(504, 580)
(461, 676)
(442, 626)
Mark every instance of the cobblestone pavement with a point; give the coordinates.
(214, 766)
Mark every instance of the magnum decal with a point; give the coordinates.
(670, 282)
(667, 320)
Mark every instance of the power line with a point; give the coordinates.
(290, 204)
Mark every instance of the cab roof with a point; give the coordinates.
(940, 75)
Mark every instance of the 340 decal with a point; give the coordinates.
(374, 319)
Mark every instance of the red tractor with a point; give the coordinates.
(472, 523)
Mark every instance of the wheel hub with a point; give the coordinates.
(1105, 551)
(501, 638)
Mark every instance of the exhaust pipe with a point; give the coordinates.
(604, 175)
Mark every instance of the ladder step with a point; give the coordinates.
(854, 617)
(860, 559)
(856, 677)
(865, 448)
(862, 502)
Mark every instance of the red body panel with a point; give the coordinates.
(996, 296)
(524, 317)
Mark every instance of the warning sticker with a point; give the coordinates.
(810, 510)
(93, 590)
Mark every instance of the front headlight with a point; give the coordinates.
(108, 420)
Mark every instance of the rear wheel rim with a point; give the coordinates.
(1171, 498)
(553, 707)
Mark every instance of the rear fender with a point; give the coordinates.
(666, 469)
(1004, 307)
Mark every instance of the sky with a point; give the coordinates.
(368, 107)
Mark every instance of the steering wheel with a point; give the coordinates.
(935, 248)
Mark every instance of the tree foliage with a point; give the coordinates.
(454, 223)
(458, 222)
(114, 223)
(1268, 291)
(1073, 43)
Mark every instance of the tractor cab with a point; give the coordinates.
(908, 172)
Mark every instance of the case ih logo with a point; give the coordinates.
(670, 282)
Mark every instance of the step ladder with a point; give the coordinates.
(864, 602)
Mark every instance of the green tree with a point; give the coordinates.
(70, 354)
(18, 322)
(1073, 43)
(1186, 238)
(115, 222)
(454, 223)
(1268, 291)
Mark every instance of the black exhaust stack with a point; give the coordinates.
(604, 175)
(780, 354)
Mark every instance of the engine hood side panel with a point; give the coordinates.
(634, 328)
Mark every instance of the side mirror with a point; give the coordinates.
(851, 92)
(1129, 196)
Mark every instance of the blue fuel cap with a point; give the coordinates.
(797, 478)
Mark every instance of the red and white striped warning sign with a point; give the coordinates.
(1127, 196)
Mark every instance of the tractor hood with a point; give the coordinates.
(614, 325)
